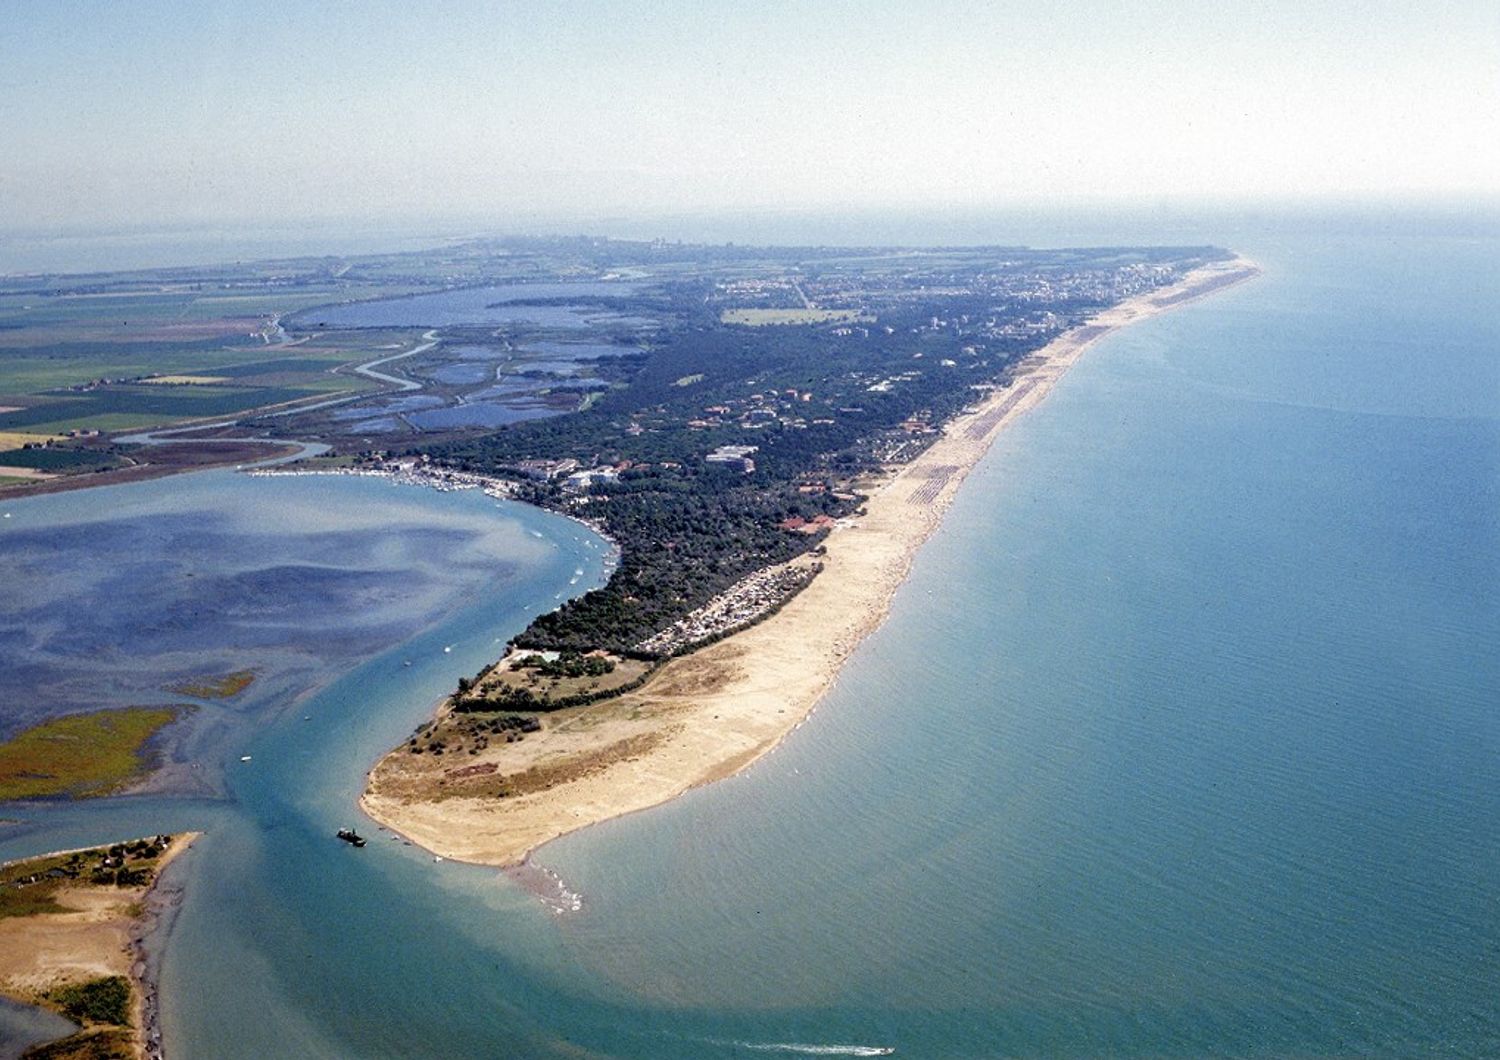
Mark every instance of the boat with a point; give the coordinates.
(351, 837)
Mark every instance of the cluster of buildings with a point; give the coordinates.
(542, 470)
(1092, 285)
(575, 479)
(741, 604)
(798, 525)
(756, 410)
(761, 293)
(579, 481)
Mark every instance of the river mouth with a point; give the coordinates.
(308, 621)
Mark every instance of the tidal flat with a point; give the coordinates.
(177, 594)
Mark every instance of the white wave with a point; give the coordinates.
(805, 1049)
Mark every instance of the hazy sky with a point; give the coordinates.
(149, 112)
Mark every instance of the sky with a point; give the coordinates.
(224, 111)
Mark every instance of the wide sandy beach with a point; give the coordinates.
(708, 715)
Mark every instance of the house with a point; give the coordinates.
(736, 457)
(543, 470)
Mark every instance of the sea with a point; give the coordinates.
(1181, 739)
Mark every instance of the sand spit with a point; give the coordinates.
(708, 715)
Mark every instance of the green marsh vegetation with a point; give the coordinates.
(80, 755)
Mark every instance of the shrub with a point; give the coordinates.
(96, 1001)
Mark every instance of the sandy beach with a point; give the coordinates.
(100, 932)
(708, 715)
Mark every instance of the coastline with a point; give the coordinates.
(708, 715)
(119, 932)
(159, 909)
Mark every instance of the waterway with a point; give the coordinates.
(1181, 740)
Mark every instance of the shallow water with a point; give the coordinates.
(22, 1026)
(116, 594)
(1181, 739)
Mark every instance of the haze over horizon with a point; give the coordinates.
(240, 112)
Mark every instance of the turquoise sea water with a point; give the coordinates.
(1182, 739)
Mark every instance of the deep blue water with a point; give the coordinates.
(1181, 740)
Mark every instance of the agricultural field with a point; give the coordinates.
(116, 352)
(134, 388)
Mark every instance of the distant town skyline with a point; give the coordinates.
(251, 110)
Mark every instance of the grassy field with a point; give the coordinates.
(59, 459)
(80, 755)
(224, 687)
(762, 317)
(16, 439)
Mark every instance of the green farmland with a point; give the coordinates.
(86, 353)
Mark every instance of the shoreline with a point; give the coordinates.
(153, 928)
(125, 935)
(711, 714)
(444, 480)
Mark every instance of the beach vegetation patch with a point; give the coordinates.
(80, 755)
(34, 886)
(550, 680)
(104, 1000)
